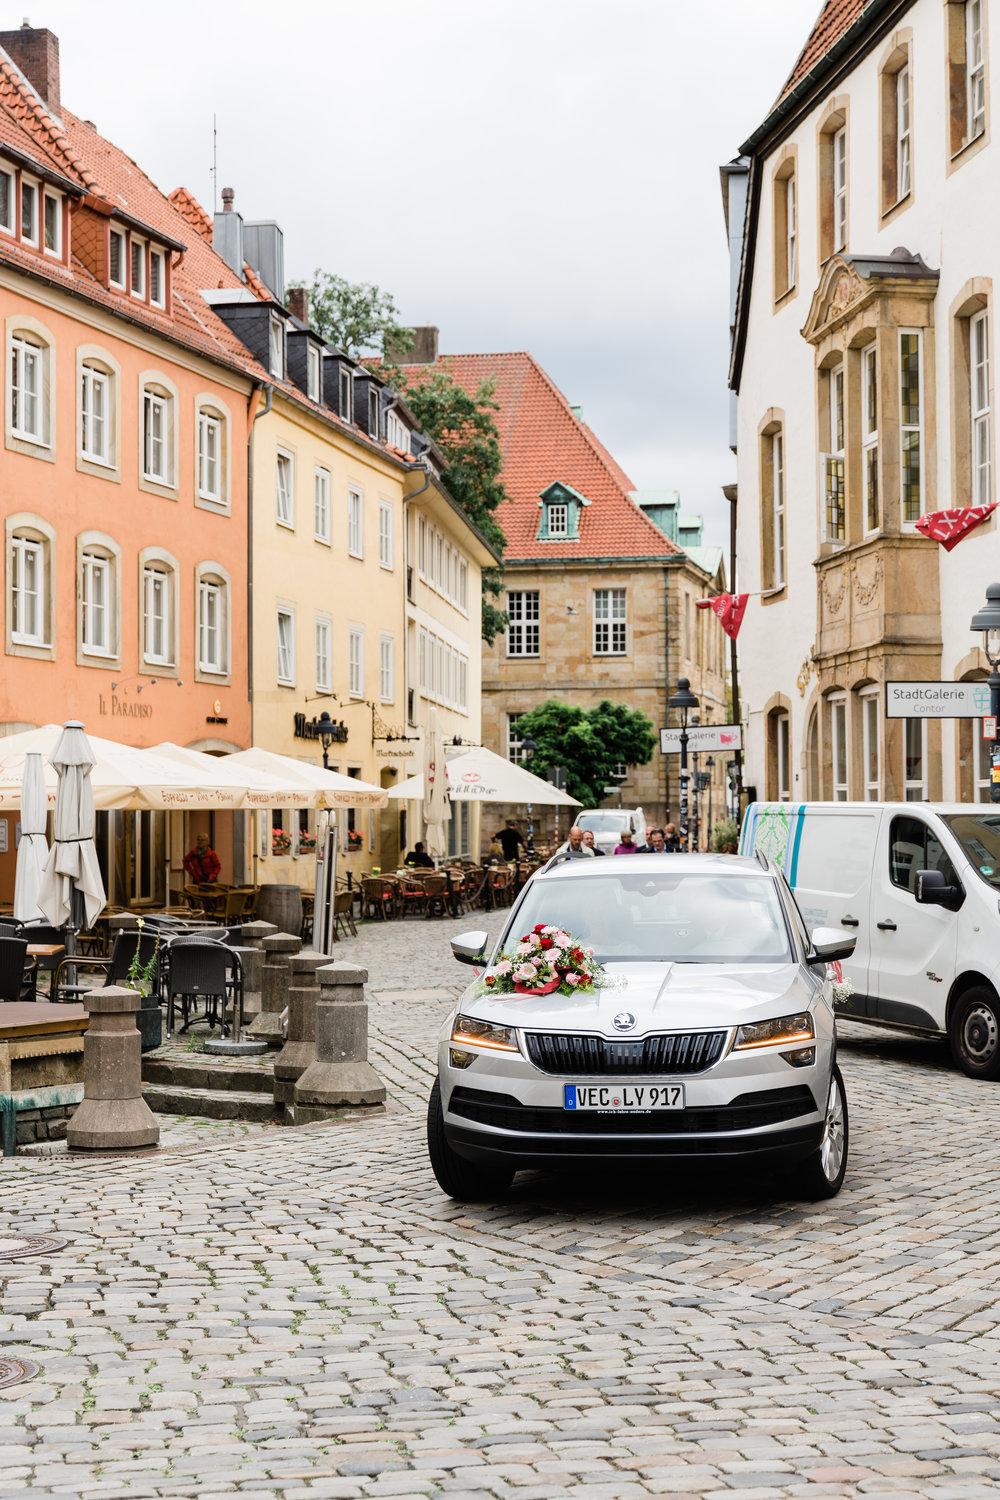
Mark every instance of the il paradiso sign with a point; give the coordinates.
(117, 707)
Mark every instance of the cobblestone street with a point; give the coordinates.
(302, 1313)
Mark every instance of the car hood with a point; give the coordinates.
(661, 997)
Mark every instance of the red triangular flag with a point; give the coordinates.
(949, 526)
(730, 609)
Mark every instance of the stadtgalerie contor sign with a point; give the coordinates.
(936, 700)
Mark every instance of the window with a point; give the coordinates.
(870, 745)
(346, 396)
(356, 661)
(914, 760)
(896, 120)
(396, 432)
(463, 585)
(285, 490)
(155, 435)
(786, 227)
(27, 591)
(53, 225)
(784, 758)
(286, 647)
(832, 182)
(95, 409)
(211, 625)
(422, 546)
(322, 636)
(833, 461)
(157, 278)
(321, 505)
(373, 413)
(277, 347)
(116, 258)
(869, 435)
(29, 213)
(386, 668)
(523, 629)
(463, 684)
(210, 456)
(385, 534)
(515, 745)
(975, 67)
(138, 267)
(26, 389)
(96, 581)
(979, 359)
(157, 615)
(778, 507)
(910, 427)
(967, 78)
(609, 622)
(312, 372)
(558, 518)
(838, 747)
(840, 189)
(7, 201)
(355, 524)
(914, 846)
(902, 134)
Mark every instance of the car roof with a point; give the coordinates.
(689, 864)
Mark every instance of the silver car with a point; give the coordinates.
(714, 1037)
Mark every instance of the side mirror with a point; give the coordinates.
(932, 890)
(470, 947)
(829, 945)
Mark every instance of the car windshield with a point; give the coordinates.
(979, 836)
(604, 822)
(705, 919)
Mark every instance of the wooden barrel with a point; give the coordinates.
(282, 905)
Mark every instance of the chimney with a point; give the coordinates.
(227, 233)
(424, 350)
(35, 50)
(264, 248)
(298, 303)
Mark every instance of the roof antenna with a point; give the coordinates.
(215, 165)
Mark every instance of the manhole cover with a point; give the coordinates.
(13, 1371)
(13, 1246)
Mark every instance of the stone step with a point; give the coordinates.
(202, 1071)
(211, 1104)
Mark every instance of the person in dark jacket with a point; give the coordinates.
(655, 842)
(508, 838)
(419, 859)
(588, 839)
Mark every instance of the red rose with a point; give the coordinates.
(546, 944)
(539, 927)
(490, 979)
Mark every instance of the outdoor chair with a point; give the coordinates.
(435, 895)
(207, 971)
(115, 969)
(10, 928)
(343, 914)
(17, 971)
(413, 894)
(42, 932)
(308, 913)
(379, 897)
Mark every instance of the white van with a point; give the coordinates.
(607, 825)
(918, 882)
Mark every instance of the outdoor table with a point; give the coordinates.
(46, 950)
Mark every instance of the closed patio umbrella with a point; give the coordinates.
(33, 848)
(72, 889)
(435, 794)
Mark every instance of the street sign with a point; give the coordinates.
(936, 700)
(702, 737)
(989, 727)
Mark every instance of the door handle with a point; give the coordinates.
(889, 926)
(849, 922)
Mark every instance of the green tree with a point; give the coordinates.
(355, 316)
(588, 743)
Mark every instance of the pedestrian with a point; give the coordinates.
(202, 863)
(588, 839)
(574, 847)
(419, 859)
(628, 844)
(671, 839)
(508, 838)
(656, 842)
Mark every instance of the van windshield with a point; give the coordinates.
(979, 836)
(700, 919)
(604, 822)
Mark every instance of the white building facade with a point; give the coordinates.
(864, 357)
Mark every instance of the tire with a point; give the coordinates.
(468, 1181)
(974, 1033)
(821, 1175)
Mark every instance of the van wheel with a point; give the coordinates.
(468, 1181)
(821, 1175)
(974, 1033)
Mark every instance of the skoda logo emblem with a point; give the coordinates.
(623, 1021)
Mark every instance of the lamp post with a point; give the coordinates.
(683, 700)
(987, 621)
(710, 764)
(326, 729)
(528, 748)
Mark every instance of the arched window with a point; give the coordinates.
(157, 432)
(212, 623)
(211, 452)
(30, 416)
(99, 599)
(98, 378)
(30, 586)
(158, 601)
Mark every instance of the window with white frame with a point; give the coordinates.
(374, 413)
(156, 438)
(96, 603)
(95, 414)
(870, 752)
(137, 281)
(396, 432)
(158, 614)
(910, 427)
(462, 694)
(783, 753)
(210, 486)
(915, 760)
(869, 435)
(558, 519)
(834, 506)
(322, 637)
(463, 585)
(157, 278)
(116, 258)
(28, 584)
(346, 396)
(285, 623)
(52, 226)
(321, 505)
(355, 524)
(212, 625)
(356, 661)
(515, 744)
(523, 628)
(312, 372)
(610, 623)
(386, 668)
(791, 231)
(29, 212)
(840, 189)
(284, 504)
(838, 747)
(979, 360)
(277, 347)
(778, 507)
(384, 534)
(26, 388)
(903, 157)
(975, 66)
(7, 200)
(422, 546)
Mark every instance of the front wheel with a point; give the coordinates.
(468, 1181)
(974, 1033)
(821, 1175)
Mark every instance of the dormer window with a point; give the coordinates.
(53, 225)
(157, 278)
(138, 268)
(116, 258)
(7, 201)
(373, 413)
(345, 395)
(29, 213)
(558, 519)
(312, 372)
(396, 432)
(561, 505)
(277, 347)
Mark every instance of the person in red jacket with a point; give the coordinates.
(202, 862)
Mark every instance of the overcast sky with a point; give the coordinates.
(526, 174)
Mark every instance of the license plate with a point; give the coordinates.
(642, 1098)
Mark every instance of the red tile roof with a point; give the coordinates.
(542, 441)
(834, 19)
(28, 126)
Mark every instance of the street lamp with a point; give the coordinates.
(987, 621)
(326, 729)
(710, 763)
(683, 700)
(528, 748)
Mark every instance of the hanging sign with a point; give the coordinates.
(937, 700)
(702, 737)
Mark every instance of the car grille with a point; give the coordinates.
(676, 1053)
(746, 1112)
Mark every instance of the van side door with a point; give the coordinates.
(829, 867)
(913, 948)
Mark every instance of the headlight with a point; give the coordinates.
(483, 1034)
(776, 1033)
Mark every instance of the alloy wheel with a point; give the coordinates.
(832, 1144)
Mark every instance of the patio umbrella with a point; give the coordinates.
(327, 788)
(33, 848)
(257, 788)
(410, 790)
(481, 776)
(435, 794)
(72, 889)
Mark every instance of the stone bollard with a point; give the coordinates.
(274, 984)
(252, 938)
(341, 1076)
(300, 1048)
(113, 1116)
